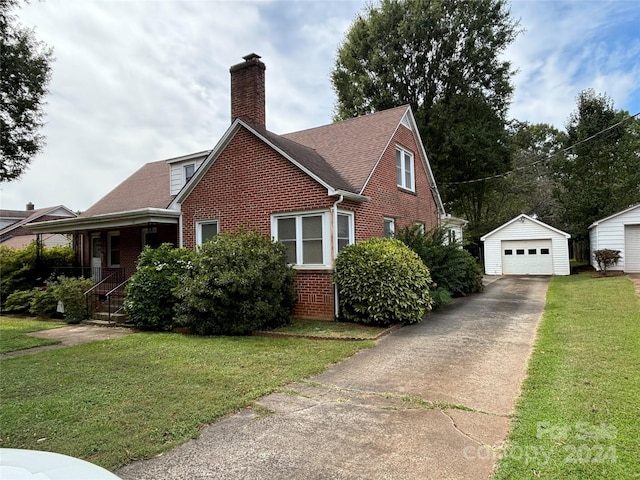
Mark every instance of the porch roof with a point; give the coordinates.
(142, 216)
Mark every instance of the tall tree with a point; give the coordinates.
(24, 74)
(600, 174)
(443, 58)
(529, 188)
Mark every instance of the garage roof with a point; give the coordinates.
(523, 217)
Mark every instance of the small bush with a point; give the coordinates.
(606, 258)
(19, 301)
(240, 282)
(382, 282)
(451, 267)
(149, 298)
(44, 303)
(70, 291)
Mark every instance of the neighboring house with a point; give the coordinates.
(526, 246)
(16, 234)
(315, 190)
(454, 227)
(620, 231)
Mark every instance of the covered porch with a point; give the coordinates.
(107, 248)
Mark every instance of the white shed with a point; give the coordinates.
(620, 231)
(526, 246)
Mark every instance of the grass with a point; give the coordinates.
(578, 413)
(115, 401)
(318, 328)
(13, 333)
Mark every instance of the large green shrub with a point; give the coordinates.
(19, 301)
(44, 303)
(451, 267)
(240, 282)
(23, 269)
(381, 282)
(70, 291)
(149, 297)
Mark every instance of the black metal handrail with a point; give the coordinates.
(110, 293)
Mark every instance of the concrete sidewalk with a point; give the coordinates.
(430, 401)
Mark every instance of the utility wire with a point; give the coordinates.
(547, 158)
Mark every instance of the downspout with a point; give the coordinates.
(180, 235)
(334, 248)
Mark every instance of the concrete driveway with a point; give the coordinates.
(430, 401)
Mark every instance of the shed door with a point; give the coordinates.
(527, 257)
(632, 248)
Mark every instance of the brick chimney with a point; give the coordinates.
(247, 90)
(30, 207)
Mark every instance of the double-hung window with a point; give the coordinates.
(307, 236)
(304, 238)
(189, 170)
(389, 228)
(405, 169)
(113, 249)
(206, 230)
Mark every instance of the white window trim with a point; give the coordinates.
(326, 241)
(184, 172)
(110, 235)
(392, 222)
(199, 225)
(401, 183)
(352, 230)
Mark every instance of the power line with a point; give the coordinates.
(545, 159)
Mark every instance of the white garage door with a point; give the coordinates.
(632, 248)
(527, 257)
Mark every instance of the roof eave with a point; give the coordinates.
(107, 220)
(356, 197)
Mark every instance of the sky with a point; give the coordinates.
(136, 81)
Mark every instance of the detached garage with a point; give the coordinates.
(620, 231)
(526, 246)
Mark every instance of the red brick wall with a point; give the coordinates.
(246, 185)
(387, 200)
(315, 294)
(249, 182)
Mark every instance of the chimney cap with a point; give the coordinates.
(251, 56)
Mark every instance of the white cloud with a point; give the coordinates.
(137, 81)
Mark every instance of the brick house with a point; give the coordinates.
(315, 190)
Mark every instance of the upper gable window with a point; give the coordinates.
(189, 170)
(405, 169)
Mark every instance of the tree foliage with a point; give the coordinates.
(442, 57)
(600, 174)
(25, 73)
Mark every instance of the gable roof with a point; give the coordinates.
(598, 222)
(148, 187)
(353, 146)
(340, 156)
(527, 217)
(33, 216)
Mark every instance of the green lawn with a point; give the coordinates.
(323, 329)
(13, 333)
(579, 413)
(114, 401)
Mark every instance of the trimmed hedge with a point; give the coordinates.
(382, 282)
